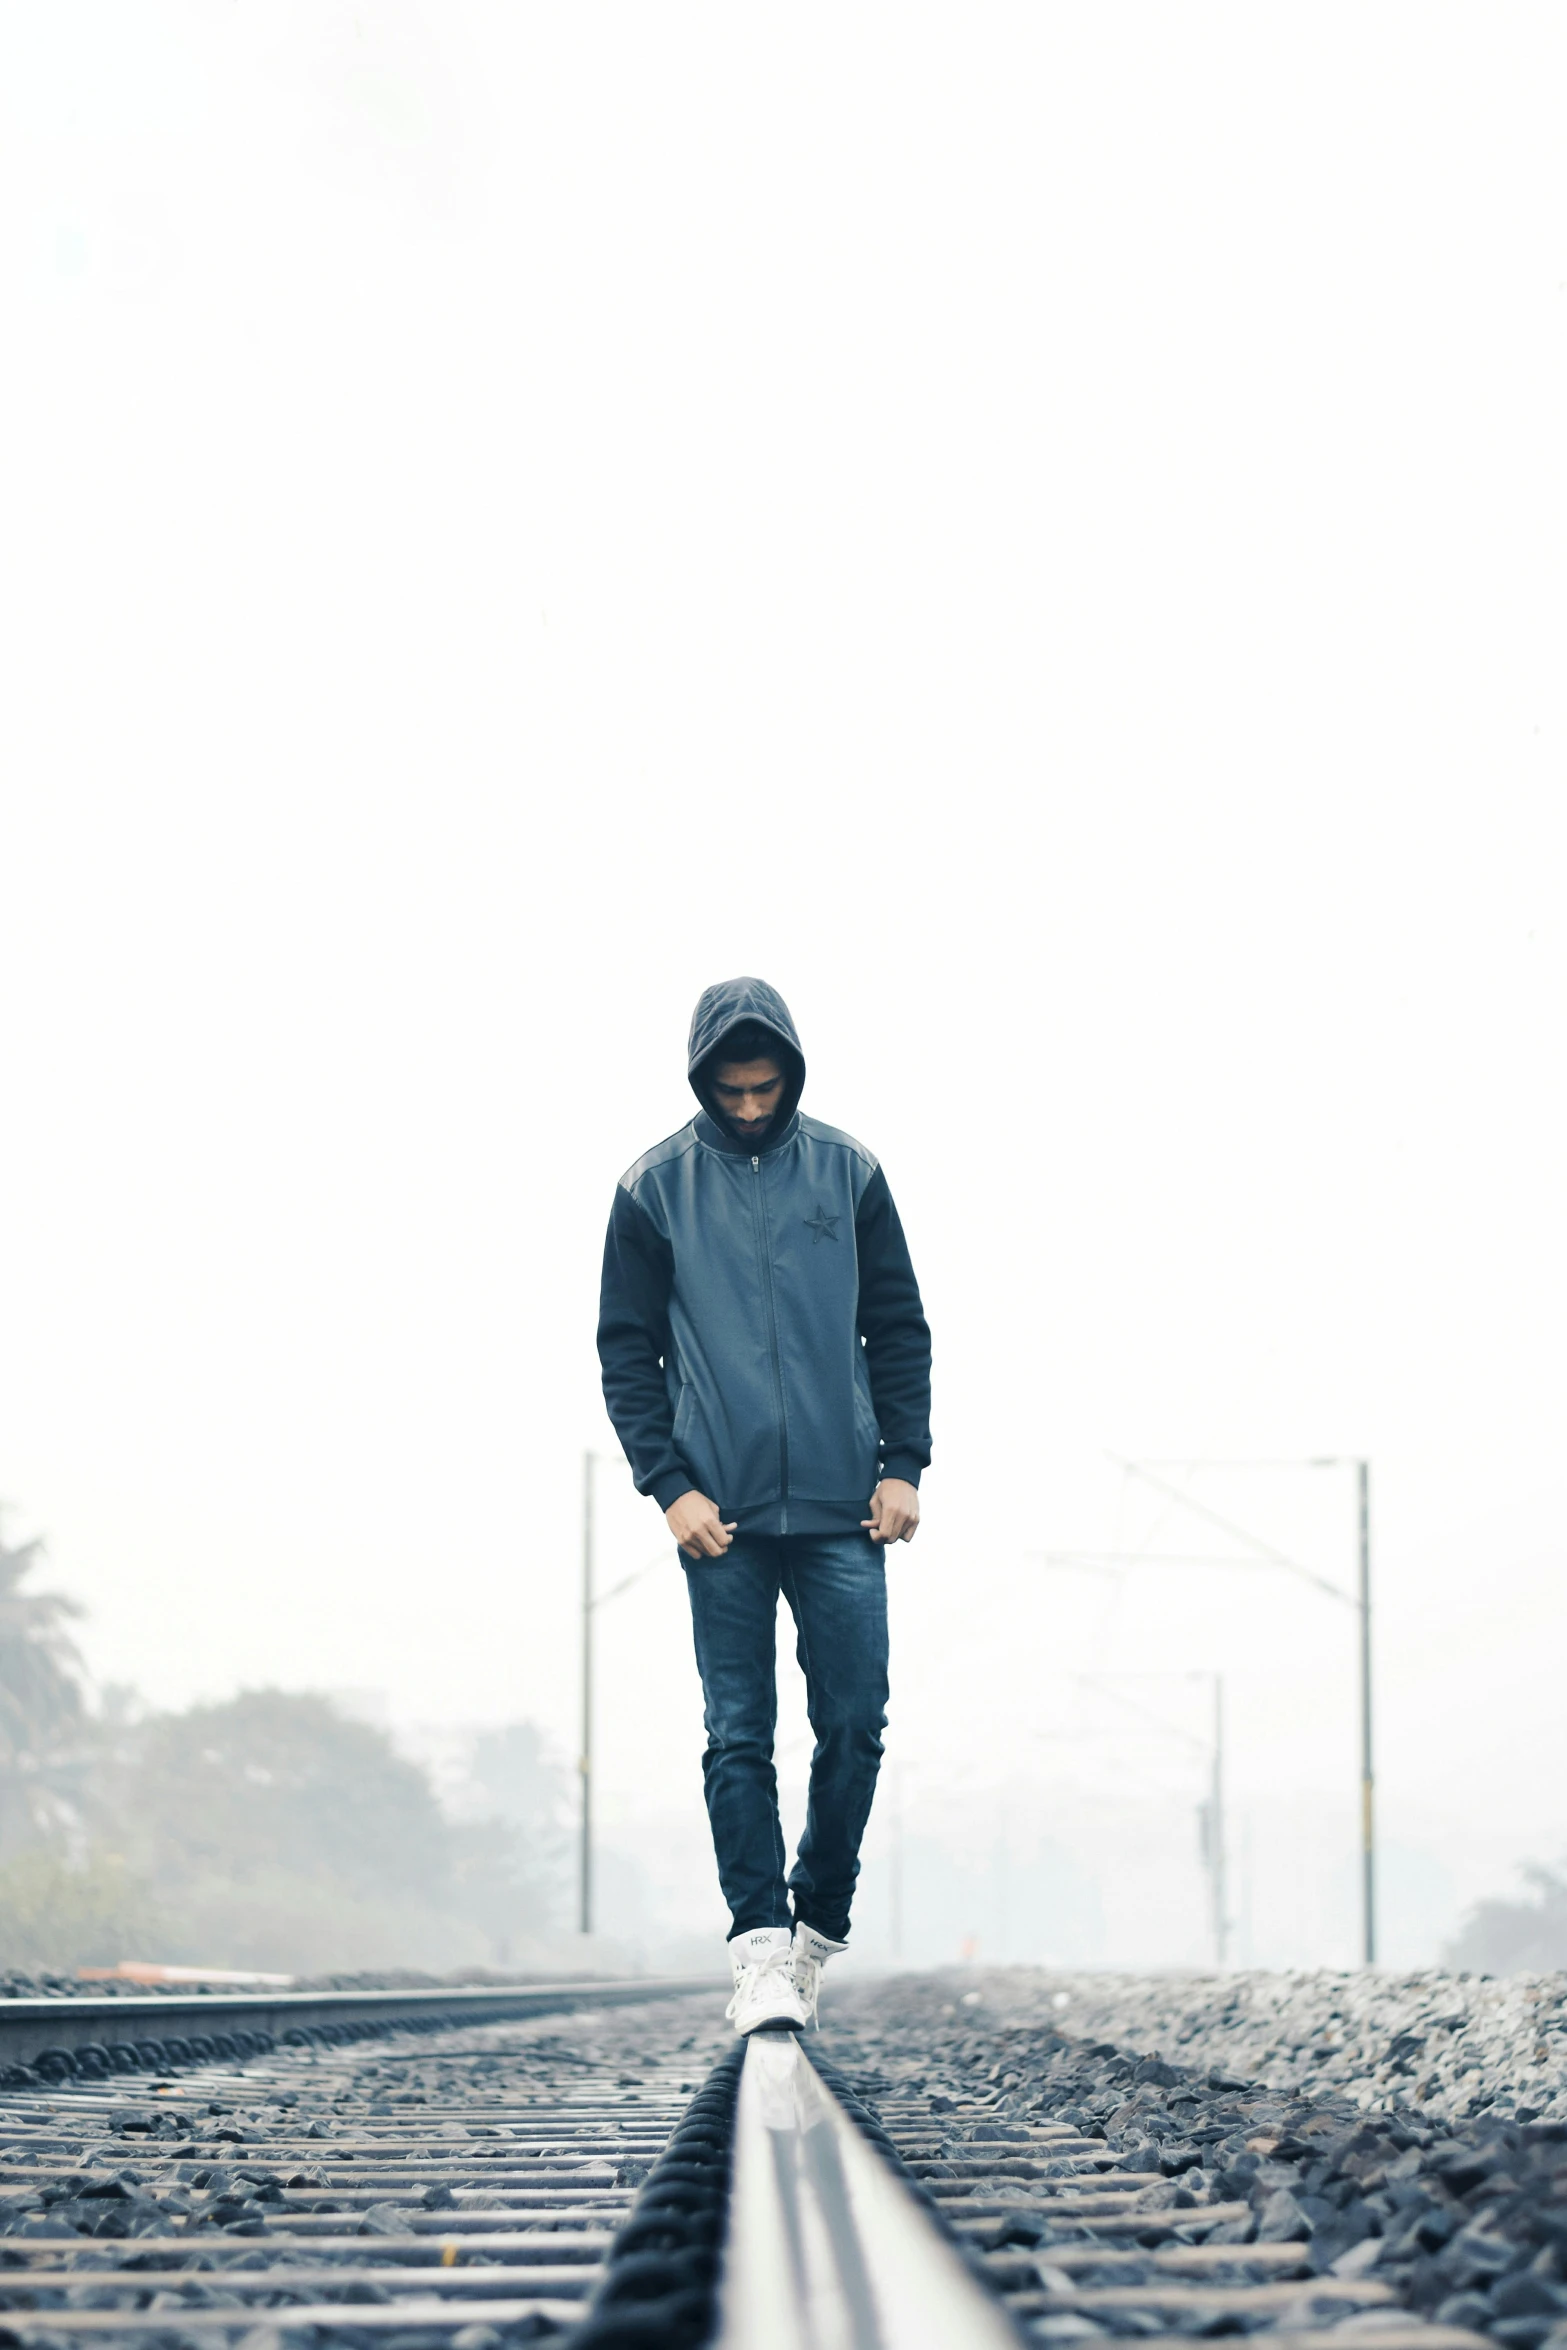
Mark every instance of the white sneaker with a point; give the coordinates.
(806, 1960)
(764, 1981)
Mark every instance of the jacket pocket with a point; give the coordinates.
(700, 1456)
(866, 1427)
(865, 1421)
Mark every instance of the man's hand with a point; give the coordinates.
(895, 1511)
(697, 1527)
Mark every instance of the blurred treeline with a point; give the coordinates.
(272, 1831)
(1527, 1937)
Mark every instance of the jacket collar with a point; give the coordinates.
(719, 1138)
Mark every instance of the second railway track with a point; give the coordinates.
(618, 2174)
(458, 2190)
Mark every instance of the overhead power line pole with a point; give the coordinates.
(1217, 1878)
(585, 1758)
(1361, 1602)
(1210, 1812)
(895, 1874)
(1261, 1553)
(1368, 1816)
(592, 1600)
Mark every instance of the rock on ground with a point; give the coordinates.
(1447, 2046)
(1455, 2201)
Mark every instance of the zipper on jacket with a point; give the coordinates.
(772, 1342)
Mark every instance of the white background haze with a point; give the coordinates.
(1037, 530)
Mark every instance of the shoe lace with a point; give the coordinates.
(777, 1962)
(808, 1983)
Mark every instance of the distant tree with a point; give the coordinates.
(42, 1710)
(1516, 1937)
(271, 1830)
(498, 1885)
(512, 1776)
(272, 1781)
(60, 1911)
(513, 1840)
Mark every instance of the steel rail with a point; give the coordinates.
(1065, 2237)
(827, 2248)
(30, 2028)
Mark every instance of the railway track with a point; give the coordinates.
(603, 2165)
(451, 2174)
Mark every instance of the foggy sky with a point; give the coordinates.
(1039, 531)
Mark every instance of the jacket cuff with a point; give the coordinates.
(666, 1490)
(906, 1465)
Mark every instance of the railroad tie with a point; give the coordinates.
(456, 2194)
(1076, 2248)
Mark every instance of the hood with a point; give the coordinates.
(723, 1007)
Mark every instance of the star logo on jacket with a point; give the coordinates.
(821, 1227)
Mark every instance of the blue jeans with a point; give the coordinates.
(836, 1586)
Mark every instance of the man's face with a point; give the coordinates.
(747, 1093)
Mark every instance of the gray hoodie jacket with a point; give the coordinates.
(760, 1328)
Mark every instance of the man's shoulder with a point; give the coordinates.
(663, 1154)
(833, 1137)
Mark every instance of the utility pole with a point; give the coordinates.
(585, 1759)
(1260, 1553)
(1218, 1886)
(895, 1874)
(592, 1601)
(1210, 1812)
(1368, 1820)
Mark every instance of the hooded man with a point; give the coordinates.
(766, 1364)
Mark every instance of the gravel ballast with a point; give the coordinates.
(1275, 2118)
(1447, 2046)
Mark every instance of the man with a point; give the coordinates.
(766, 1364)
